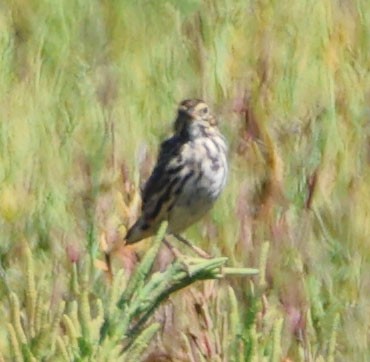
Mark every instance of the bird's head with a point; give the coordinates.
(193, 116)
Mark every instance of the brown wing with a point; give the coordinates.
(163, 171)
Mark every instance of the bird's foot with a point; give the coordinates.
(183, 259)
(196, 249)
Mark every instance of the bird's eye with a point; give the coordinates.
(205, 110)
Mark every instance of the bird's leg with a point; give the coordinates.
(175, 252)
(177, 255)
(197, 250)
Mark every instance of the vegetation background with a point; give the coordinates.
(88, 89)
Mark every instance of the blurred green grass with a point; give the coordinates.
(89, 88)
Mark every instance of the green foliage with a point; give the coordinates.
(82, 327)
(87, 91)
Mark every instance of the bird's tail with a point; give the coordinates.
(139, 231)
